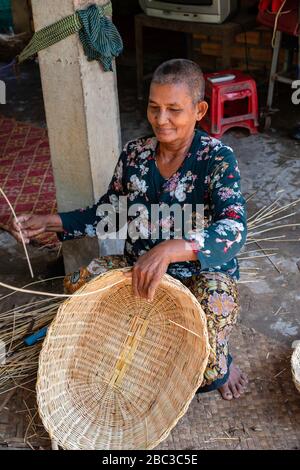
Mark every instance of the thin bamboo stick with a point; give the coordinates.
(20, 231)
(12, 336)
(272, 221)
(254, 257)
(248, 273)
(245, 268)
(258, 250)
(50, 294)
(186, 329)
(251, 196)
(32, 283)
(259, 212)
(274, 212)
(264, 209)
(281, 241)
(274, 228)
(253, 240)
(271, 212)
(24, 308)
(271, 261)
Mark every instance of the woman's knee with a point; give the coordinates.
(218, 296)
(72, 282)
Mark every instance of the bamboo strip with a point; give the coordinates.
(20, 231)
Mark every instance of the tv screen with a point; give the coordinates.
(204, 11)
(190, 2)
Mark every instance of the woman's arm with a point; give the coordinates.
(224, 238)
(73, 224)
(33, 225)
(83, 222)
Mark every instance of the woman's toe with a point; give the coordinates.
(240, 388)
(244, 378)
(234, 391)
(225, 392)
(242, 382)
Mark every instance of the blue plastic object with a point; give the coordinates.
(33, 339)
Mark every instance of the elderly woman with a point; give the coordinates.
(178, 165)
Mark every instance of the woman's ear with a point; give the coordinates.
(202, 107)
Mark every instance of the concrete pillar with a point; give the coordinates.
(82, 112)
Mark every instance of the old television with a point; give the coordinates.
(204, 11)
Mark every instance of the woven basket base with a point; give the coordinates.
(266, 417)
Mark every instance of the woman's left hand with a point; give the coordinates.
(149, 270)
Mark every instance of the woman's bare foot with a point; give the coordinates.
(235, 385)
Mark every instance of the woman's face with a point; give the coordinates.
(172, 113)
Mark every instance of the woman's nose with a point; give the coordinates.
(162, 117)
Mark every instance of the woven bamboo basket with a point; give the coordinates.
(296, 364)
(117, 371)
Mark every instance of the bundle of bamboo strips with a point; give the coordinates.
(18, 362)
(267, 219)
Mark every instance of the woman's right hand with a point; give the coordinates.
(33, 225)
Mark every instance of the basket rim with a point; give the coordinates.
(295, 364)
(167, 281)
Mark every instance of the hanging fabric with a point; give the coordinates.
(100, 38)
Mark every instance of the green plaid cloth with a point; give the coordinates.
(50, 35)
(100, 38)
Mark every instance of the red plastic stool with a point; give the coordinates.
(232, 103)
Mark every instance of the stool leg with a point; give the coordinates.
(274, 69)
(254, 103)
(250, 102)
(217, 113)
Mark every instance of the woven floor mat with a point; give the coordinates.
(20, 424)
(26, 173)
(266, 417)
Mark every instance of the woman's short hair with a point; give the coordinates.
(184, 71)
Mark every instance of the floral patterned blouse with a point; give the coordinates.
(209, 175)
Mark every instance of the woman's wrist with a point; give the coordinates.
(176, 251)
(53, 223)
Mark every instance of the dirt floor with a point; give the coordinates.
(269, 322)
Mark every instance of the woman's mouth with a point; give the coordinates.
(164, 131)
